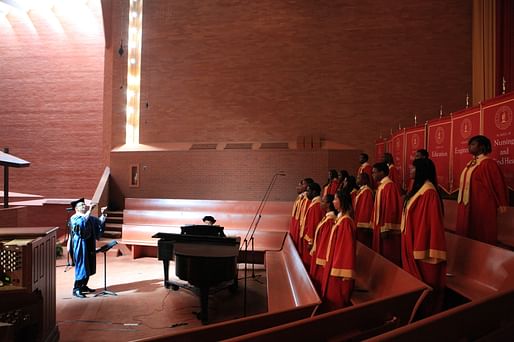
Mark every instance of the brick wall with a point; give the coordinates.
(271, 70)
(51, 76)
(224, 175)
(224, 70)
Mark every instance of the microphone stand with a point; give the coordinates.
(250, 233)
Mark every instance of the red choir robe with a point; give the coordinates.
(295, 216)
(424, 244)
(482, 190)
(363, 210)
(337, 283)
(367, 168)
(313, 216)
(394, 175)
(331, 188)
(319, 249)
(386, 218)
(300, 219)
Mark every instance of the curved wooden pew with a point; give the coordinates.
(476, 269)
(487, 319)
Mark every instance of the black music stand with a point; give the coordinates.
(104, 250)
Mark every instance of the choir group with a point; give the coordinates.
(405, 226)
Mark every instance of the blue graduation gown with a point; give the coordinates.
(84, 233)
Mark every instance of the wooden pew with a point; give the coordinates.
(488, 319)
(377, 277)
(288, 282)
(291, 297)
(505, 223)
(351, 323)
(476, 269)
(143, 217)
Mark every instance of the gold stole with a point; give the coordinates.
(465, 179)
(315, 200)
(427, 186)
(328, 216)
(376, 211)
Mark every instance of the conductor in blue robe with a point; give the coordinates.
(85, 230)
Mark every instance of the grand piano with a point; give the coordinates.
(204, 258)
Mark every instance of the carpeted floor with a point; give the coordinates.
(143, 307)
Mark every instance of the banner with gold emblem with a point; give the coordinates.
(379, 150)
(465, 124)
(398, 152)
(439, 137)
(497, 117)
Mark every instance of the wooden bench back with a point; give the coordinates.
(490, 319)
(505, 223)
(289, 284)
(230, 214)
(354, 322)
(477, 269)
(376, 277)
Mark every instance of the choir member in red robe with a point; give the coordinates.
(320, 245)
(482, 192)
(363, 209)
(350, 186)
(332, 184)
(342, 176)
(394, 174)
(366, 168)
(423, 240)
(387, 213)
(299, 208)
(420, 154)
(337, 283)
(313, 216)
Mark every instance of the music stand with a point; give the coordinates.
(104, 250)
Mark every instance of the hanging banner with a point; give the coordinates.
(414, 140)
(439, 133)
(389, 145)
(398, 152)
(465, 124)
(379, 150)
(497, 116)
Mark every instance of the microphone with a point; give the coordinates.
(281, 173)
(69, 209)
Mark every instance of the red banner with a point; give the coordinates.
(389, 145)
(439, 133)
(379, 150)
(398, 150)
(414, 140)
(465, 124)
(498, 126)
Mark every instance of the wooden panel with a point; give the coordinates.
(477, 270)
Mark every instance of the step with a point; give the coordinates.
(112, 234)
(114, 218)
(114, 225)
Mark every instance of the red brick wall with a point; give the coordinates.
(259, 71)
(51, 76)
(225, 175)
(273, 70)
(225, 70)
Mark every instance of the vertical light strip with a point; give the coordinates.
(135, 33)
